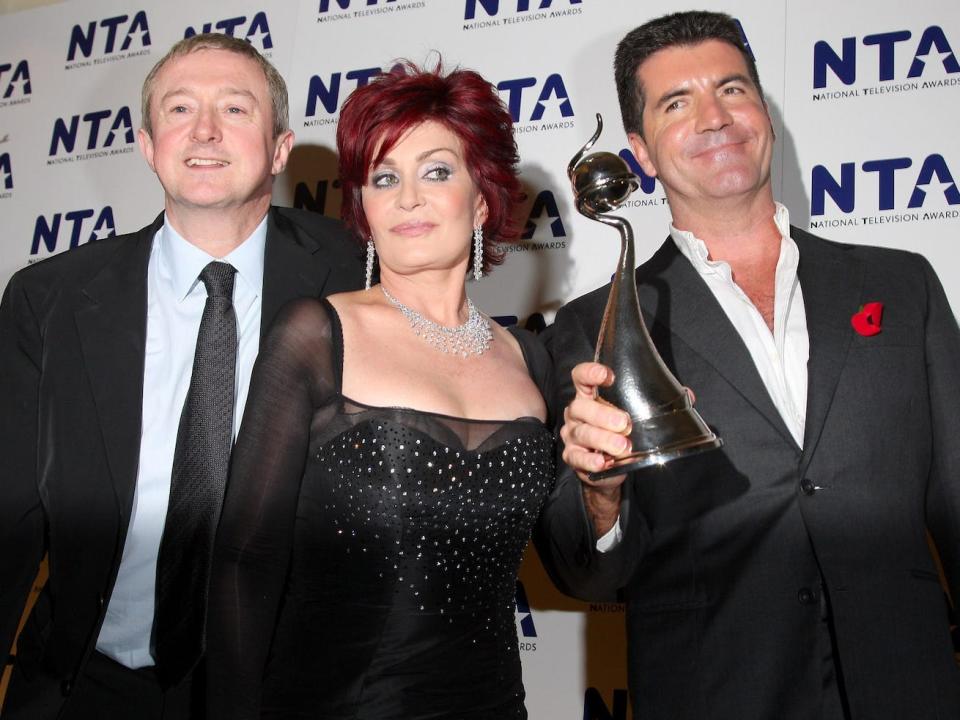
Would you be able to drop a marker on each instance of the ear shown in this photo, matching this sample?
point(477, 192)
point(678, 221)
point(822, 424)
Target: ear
point(480, 212)
point(146, 147)
point(281, 152)
point(640, 152)
point(766, 109)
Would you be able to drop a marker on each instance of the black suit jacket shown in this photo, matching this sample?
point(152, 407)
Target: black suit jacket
point(723, 553)
point(72, 337)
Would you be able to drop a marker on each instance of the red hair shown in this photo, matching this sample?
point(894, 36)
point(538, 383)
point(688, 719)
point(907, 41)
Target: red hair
point(399, 100)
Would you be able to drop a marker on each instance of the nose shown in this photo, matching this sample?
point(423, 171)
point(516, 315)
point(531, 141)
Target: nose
point(409, 196)
point(712, 114)
point(206, 126)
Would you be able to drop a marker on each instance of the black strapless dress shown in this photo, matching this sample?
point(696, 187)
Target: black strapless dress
point(367, 557)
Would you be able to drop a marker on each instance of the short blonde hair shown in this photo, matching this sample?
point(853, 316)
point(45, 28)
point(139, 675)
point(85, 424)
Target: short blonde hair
point(217, 41)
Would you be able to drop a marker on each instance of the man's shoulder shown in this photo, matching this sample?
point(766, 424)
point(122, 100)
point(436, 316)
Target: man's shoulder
point(588, 303)
point(807, 242)
point(77, 265)
point(594, 301)
point(316, 226)
point(318, 234)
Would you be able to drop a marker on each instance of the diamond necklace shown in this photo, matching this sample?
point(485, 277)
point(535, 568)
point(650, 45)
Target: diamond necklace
point(471, 338)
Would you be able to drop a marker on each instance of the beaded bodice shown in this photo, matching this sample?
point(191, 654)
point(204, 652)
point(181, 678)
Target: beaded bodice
point(397, 565)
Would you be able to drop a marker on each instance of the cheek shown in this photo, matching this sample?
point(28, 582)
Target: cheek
point(667, 147)
point(162, 155)
point(166, 149)
point(756, 120)
point(459, 202)
point(372, 208)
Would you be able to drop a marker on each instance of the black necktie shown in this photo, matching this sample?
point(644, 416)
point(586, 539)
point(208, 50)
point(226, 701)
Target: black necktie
point(200, 464)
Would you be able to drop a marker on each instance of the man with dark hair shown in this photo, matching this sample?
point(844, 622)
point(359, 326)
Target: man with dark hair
point(124, 367)
point(685, 28)
point(788, 574)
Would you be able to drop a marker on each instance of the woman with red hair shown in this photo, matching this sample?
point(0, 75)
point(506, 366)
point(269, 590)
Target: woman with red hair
point(394, 454)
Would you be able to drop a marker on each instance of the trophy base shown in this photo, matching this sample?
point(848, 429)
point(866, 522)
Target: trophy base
point(658, 456)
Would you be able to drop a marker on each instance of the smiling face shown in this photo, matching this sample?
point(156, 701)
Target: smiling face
point(707, 134)
point(212, 143)
point(421, 203)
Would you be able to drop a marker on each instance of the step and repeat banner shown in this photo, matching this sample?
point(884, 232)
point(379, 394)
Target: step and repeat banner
point(863, 97)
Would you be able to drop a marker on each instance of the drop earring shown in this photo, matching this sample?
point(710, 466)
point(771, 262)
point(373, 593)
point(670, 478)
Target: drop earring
point(477, 252)
point(371, 254)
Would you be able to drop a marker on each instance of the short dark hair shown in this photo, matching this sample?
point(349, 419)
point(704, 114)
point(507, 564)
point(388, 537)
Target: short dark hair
point(683, 28)
point(395, 102)
point(218, 41)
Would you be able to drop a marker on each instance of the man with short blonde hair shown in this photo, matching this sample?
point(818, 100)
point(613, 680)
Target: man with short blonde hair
point(124, 367)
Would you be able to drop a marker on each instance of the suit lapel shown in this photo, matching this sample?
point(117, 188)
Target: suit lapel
point(292, 268)
point(112, 328)
point(675, 297)
point(831, 281)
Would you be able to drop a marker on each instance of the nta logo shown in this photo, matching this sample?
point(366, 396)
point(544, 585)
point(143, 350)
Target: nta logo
point(17, 82)
point(594, 707)
point(316, 201)
point(88, 127)
point(256, 32)
point(492, 7)
point(48, 231)
point(647, 183)
point(525, 617)
point(6, 171)
point(551, 90)
point(109, 30)
point(933, 172)
point(328, 92)
point(345, 4)
point(932, 48)
point(544, 203)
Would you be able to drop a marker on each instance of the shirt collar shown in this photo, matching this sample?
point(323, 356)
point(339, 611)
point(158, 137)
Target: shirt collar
point(182, 261)
point(695, 249)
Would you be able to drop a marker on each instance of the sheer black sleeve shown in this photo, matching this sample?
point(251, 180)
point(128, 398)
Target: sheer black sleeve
point(539, 366)
point(296, 374)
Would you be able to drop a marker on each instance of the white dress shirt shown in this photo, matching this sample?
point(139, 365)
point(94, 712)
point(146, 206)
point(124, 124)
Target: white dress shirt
point(780, 357)
point(175, 301)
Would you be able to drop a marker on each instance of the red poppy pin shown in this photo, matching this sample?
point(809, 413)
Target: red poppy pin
point(867, 321)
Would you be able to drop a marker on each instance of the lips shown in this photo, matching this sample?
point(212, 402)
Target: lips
point(412, 229)
point(714, 144)
point(206, 162)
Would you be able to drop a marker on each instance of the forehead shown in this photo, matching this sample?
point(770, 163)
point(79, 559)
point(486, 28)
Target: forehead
point(423, 137)
point(211, 69)
point(679, 65)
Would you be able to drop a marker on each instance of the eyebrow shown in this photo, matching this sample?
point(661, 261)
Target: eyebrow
point(735, 77)
point(670, 95)
point(225, 92)
point(422, 156)
point(681, 91)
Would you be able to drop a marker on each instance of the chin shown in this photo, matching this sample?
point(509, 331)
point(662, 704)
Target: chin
point(207, 196)
point(733, 183)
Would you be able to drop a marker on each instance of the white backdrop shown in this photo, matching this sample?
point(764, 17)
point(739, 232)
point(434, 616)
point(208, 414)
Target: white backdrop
point(863, 97)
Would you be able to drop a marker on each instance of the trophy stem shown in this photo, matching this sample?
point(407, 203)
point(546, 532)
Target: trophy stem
point(665, 425)
point(631, 355)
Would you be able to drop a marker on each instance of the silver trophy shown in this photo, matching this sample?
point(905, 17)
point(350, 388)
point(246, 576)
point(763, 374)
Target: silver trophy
point(665, 424)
